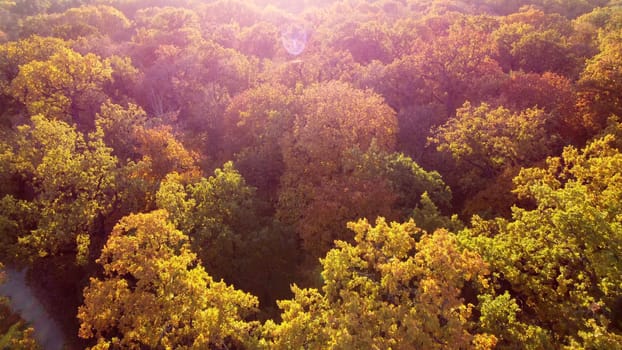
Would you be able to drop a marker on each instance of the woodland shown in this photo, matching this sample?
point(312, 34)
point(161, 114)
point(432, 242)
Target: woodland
point(273, 174)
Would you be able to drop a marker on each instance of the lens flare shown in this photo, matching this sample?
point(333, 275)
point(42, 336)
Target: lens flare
point(294, 39)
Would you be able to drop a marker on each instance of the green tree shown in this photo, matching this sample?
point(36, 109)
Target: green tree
point(429, 217)
point(535, 41)
point(406, 180)
point(120, 126)
point(502, 317)
point(217, 213)
point(230, 232)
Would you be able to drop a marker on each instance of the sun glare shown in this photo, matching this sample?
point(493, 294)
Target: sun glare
point(294, 38)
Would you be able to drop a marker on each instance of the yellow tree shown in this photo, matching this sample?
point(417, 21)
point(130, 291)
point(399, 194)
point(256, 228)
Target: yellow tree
point(562, 256)
point(66, 186)
point(153, 293)
point(396, 287)
point(159, 147)
point(14, 54)
point(160, 154)
point(534, 41)
point(68, 86)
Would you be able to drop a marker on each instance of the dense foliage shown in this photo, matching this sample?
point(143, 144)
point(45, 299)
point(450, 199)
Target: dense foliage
point(204, 174)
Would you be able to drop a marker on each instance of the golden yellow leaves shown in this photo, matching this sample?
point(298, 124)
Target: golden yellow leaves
point(154, 294)
point(391, 288)
point(63, 86)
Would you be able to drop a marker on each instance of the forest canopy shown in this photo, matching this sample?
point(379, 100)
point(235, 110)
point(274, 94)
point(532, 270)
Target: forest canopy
point(354, 174)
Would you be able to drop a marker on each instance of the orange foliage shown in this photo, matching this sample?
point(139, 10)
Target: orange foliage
point(164, 154)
